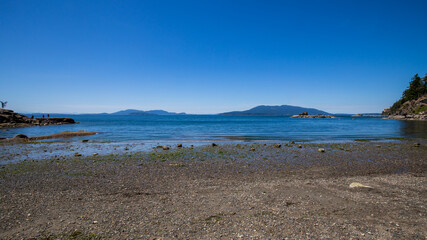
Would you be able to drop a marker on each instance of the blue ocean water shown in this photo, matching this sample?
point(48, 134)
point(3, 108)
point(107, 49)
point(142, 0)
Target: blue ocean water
point(213, 127)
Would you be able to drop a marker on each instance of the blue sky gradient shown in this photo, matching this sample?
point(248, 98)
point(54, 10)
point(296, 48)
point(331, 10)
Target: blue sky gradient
point(209, 56)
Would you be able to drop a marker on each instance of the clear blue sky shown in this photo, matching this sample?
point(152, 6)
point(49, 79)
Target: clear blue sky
point(209, 56)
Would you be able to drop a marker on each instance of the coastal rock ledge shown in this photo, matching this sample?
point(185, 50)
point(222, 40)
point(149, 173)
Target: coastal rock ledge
point(305, 115)
point(409, 110)
point(10, 119)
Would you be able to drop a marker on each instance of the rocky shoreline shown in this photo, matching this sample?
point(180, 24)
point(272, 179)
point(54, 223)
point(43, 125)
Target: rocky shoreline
point(10, 119)
point(410, 110)
point(232, 191)
point(408, 117)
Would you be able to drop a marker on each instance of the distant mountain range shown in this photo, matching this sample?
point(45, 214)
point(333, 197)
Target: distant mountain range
point(140, 112)
point(284, 110)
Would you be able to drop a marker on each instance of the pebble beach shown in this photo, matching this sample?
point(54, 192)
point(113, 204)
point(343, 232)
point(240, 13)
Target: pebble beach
point(221, 191)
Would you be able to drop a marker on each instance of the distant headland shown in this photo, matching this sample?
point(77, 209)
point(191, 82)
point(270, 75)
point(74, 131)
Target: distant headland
point(283, 110)
point(141, 112)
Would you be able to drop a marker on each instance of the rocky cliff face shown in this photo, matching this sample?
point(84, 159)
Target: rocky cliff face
point(10, 119)
point(410, 110)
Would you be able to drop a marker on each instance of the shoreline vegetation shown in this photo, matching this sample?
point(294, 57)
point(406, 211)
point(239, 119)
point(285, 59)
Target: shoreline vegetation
point(253, 190)
point(413, 103)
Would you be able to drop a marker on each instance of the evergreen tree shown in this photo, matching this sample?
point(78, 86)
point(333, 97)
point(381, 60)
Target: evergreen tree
point(415, 89)
point(425, 83)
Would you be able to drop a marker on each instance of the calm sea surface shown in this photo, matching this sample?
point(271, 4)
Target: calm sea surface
point(212, 127)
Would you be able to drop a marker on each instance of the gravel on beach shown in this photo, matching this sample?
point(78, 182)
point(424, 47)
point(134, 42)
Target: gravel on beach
point(228, 191)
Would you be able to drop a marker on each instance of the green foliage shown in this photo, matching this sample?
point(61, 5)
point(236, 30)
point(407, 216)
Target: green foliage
point(417, 88)
point(421, 109)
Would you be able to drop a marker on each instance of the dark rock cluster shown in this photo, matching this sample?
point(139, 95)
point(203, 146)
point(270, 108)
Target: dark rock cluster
point(10, 119)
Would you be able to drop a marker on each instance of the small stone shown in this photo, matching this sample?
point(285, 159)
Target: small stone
point(126, 148)
point(214, 145)
point(252, 149)
point(179, 145)
point(321, 150)
point(165, 147)
point(278, 145)
point(95, 222)
point(358, 185)
point(95, 154)
point(378, 146)
point(77, 154)
point(417, 144)
point(84, 140)
point(299, 146)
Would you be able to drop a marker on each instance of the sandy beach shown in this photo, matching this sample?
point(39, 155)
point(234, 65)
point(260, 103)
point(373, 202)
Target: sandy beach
point(230, 191)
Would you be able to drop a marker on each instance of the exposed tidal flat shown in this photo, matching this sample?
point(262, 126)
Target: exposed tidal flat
point(229, 190)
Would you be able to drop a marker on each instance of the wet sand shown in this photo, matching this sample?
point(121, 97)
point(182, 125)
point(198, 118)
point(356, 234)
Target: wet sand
point(231, 191)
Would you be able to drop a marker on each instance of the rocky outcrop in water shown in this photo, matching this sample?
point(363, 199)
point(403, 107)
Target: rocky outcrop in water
point(305, 115)
point(10, 119)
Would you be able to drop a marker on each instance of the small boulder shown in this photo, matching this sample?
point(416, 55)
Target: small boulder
point(179, 145)
point(358, 185)
point(21, 136)
point(278, 145)
point(321, 150)
point(95, 154)
point(84, 140)
point(252, 149)
point(299, 146)
point(417, 144)
point(77, 154)
point(165, 147)
point(214, 144)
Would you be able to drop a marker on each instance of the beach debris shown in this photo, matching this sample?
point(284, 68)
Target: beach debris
point(252, 149)
point(76, 154)
point(84, 140)
point(176, 164)
point(278, 145)
point(417, 144)
point(179, 145)
point(358, 185)
point(321, 150)
point(299, 146)
point(95, 154)
point(214, 144)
